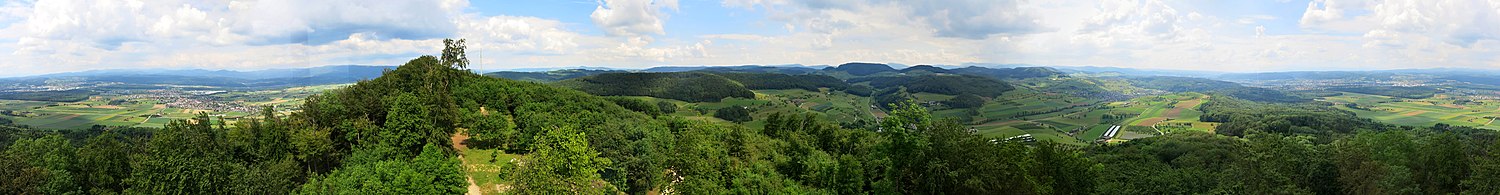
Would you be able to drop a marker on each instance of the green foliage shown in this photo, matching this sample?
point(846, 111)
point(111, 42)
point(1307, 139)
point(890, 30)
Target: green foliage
point(861, 69)
point(406, 125)
point(185, 158)
point(562, 163)
point(73, 95)
point(666, 107)
point(637, 105)
point(685, 86)
point(103, 163)
point(434, 171)
point(736, 114)
point(43, 165)
point(926, 156)
point(860, 90)
point(491, 129)
point(965, 101)
point(1393, 91)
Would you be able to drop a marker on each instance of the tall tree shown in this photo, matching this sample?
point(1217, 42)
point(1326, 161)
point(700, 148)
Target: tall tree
point(185, 158)
point(562, 163)
point(103, 162)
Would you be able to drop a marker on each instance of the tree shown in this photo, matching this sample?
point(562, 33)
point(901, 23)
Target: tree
point(1486, 172)
point(453, 54)
point(736, 114)
point(431, 172)
point(184, 158)
point(666, 107)
point(103, 162)
point(562, 163)
point(965, 101)
point(493, 129)
point(50, 162)
point(409, 125)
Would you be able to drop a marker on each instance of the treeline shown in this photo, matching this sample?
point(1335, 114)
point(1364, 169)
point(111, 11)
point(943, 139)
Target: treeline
point(941, 84)
point(786, 81)
point(1393, 91)
point(685, 86)
point(73, 95)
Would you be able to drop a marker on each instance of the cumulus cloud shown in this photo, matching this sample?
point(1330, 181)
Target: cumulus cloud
point(969, 19)
point(108, 23)
point(632, 17)
point(1458, 22)
point(519, 34)
point(1134, 21)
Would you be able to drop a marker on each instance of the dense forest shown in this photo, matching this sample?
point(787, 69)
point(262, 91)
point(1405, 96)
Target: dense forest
point(861, 69)
point(394, 135)
point(55, 96)
point(1393, 91)
point(685, 86)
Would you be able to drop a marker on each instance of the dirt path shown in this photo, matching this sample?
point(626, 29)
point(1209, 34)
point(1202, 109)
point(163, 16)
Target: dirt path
point(458, 144)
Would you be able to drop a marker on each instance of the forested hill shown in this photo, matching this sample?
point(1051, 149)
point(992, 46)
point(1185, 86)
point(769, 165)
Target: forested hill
point(941, 84)
point(685, 86)
point(785, 81)
point(861, 69)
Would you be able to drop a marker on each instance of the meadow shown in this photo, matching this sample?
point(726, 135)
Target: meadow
point(1079, 121)
point(1420, 112)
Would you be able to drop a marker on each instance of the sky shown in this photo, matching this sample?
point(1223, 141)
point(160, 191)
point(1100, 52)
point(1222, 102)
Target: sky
point(50, 36)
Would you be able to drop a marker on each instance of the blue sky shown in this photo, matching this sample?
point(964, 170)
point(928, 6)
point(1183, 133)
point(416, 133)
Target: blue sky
point(38, 37)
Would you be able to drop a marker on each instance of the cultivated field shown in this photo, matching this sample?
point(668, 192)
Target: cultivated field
point(126, 110)
point(1420, 112)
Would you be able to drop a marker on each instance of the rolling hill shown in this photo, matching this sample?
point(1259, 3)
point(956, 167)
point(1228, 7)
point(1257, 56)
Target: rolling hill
point(685, 86)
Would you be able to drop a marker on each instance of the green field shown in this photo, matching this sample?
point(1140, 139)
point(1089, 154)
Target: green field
point(486, 166)
point(1021, 112)
point(1420, 112)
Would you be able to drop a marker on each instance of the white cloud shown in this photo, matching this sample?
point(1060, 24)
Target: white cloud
point(1134, 22)
point(632, 17)
point(1458, 22)
point(518, 34)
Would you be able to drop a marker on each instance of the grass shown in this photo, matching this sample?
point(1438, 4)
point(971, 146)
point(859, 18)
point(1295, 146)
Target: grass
point(486, 166)
point(1086, 123)
point(1419, 112)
